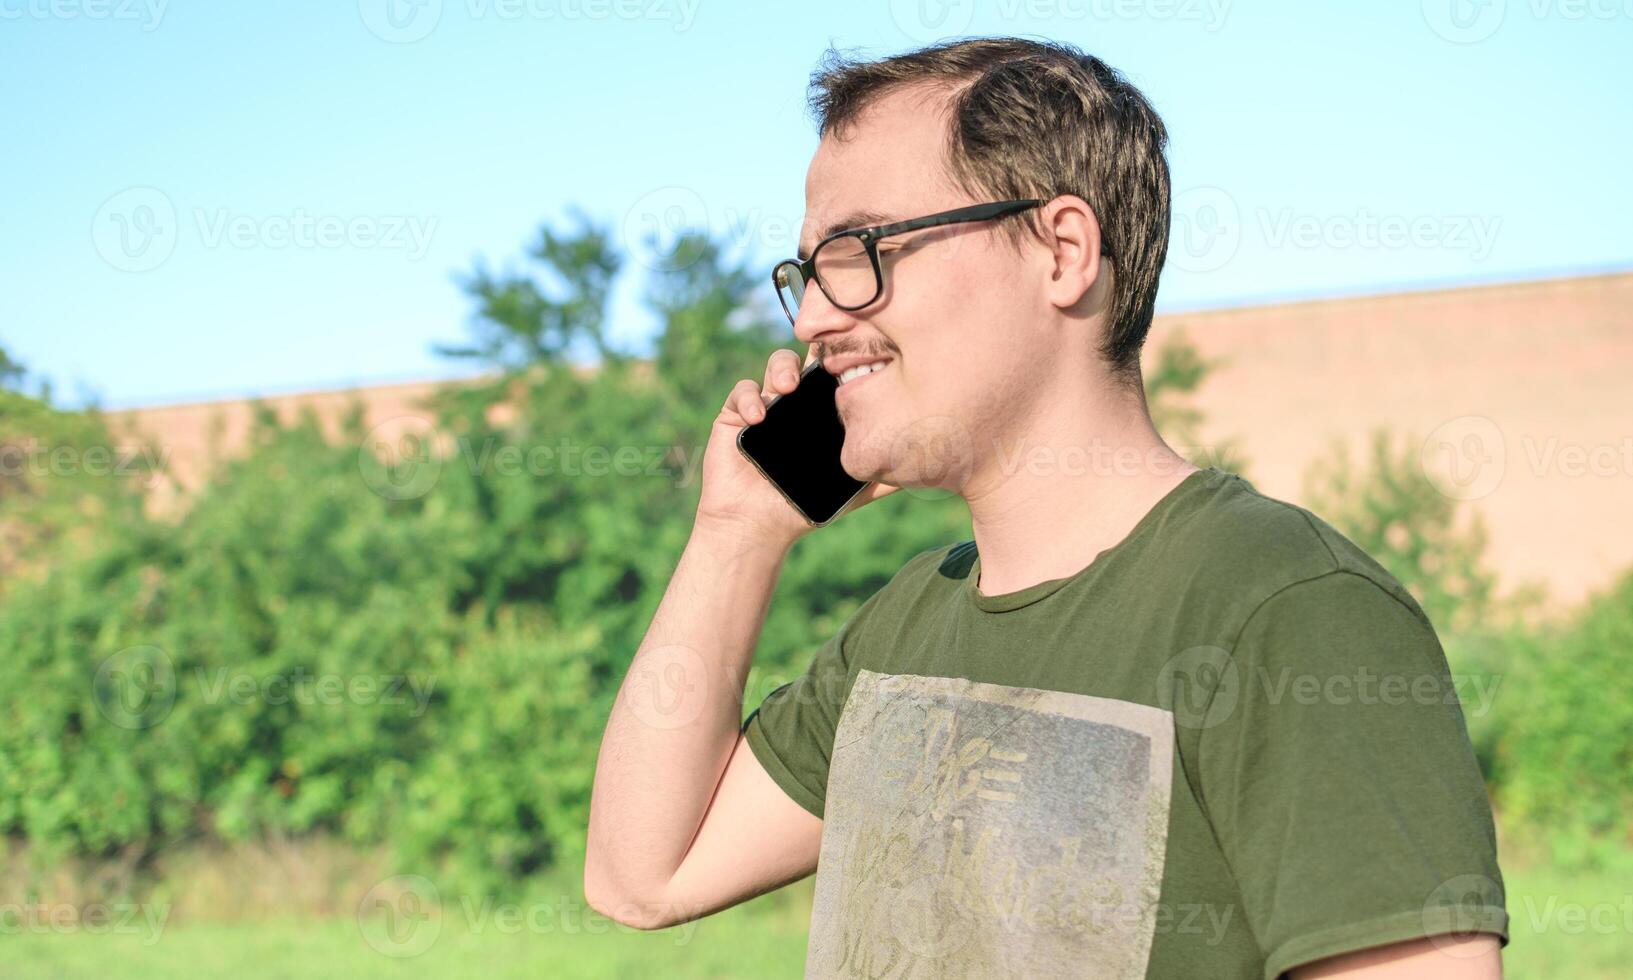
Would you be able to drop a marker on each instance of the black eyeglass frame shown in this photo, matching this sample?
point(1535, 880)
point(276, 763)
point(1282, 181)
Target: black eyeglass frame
point(870, 242)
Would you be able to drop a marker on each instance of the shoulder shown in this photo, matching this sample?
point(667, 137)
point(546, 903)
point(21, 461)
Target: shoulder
point(1256, 548)
point(937, 565)
point(1219, 556)
point(920, 580)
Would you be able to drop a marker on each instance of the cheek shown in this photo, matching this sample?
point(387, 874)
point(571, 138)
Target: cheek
point(937, 279)
point(953, 313)
point(961, 348)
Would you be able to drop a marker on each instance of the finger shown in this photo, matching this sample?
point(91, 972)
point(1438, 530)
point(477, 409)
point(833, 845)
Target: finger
point(751, 401)
point(782, 372)
point(744, 405)
point(813, 350)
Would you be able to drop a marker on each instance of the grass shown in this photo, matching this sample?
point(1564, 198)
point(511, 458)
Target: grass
point(1563, 924)
point(548, 934)
point(1575, 925)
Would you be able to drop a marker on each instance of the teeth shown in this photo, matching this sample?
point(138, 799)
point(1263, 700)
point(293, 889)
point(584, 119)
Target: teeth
point(861, 369)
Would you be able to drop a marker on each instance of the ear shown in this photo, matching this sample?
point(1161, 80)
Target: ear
point(1071, 232)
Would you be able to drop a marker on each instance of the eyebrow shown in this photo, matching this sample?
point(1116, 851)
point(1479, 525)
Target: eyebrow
point(856, 219)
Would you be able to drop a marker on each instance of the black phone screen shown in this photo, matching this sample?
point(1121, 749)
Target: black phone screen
point(797, 447)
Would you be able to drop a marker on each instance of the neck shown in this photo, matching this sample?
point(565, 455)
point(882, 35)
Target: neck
point(1079, 473)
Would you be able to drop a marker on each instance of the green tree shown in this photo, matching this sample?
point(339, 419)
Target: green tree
point(524, 319)
point(1172, 380)
point(64, 480)
point(11, 372)
point(716, 326)
point(1389, 506)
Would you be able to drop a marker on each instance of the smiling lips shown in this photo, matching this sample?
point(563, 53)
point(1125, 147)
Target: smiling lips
point(860, 370)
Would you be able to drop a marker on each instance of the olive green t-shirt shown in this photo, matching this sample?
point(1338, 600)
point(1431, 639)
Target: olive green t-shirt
point(1228, 746)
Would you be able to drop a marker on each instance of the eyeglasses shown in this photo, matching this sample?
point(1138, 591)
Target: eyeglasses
point(845, 265)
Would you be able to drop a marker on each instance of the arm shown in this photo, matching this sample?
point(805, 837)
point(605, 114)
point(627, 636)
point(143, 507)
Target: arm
point(683, 819)
point(1476, 957)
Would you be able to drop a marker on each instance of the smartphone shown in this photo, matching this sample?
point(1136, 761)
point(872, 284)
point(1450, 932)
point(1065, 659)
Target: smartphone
point(797, 446)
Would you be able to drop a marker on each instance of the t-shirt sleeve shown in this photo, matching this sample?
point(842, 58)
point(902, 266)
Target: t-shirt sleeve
point(792, 730)
point(1338, 775)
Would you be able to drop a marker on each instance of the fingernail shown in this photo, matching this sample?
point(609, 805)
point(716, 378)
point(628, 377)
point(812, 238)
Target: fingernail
point(788, 378)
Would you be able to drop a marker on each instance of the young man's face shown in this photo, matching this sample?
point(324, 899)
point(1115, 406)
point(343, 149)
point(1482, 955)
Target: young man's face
point(961, 322)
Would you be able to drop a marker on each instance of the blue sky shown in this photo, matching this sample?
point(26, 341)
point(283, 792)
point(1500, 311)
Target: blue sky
point(215, 199)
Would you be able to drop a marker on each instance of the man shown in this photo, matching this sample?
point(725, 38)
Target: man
point(1149, 722)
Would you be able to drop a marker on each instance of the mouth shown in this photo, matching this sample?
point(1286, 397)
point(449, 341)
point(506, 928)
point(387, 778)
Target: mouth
point(858, 373)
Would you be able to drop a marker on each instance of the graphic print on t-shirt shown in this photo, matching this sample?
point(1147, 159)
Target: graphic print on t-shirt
point(981, 830)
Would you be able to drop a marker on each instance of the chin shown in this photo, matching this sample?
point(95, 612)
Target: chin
point(860, 465)
point(862, 458)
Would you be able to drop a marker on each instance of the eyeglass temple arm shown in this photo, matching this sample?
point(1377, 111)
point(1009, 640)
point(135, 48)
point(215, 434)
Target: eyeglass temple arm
point(978, 212)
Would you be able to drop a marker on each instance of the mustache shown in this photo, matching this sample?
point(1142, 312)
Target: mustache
point(826, 350)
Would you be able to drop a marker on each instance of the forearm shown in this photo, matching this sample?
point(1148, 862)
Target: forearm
point(677, 715)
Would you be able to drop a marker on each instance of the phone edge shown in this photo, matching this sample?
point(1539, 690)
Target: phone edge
point(809, 368)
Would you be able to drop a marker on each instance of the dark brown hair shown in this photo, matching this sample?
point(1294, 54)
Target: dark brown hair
point(1038, 119)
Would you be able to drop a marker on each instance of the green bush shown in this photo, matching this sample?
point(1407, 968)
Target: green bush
point(1564, 740)
point(63, 479)
point(288, 569)
point(163, 687)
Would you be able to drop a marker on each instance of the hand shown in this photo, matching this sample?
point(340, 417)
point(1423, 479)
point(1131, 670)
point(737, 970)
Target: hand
point(736, 498)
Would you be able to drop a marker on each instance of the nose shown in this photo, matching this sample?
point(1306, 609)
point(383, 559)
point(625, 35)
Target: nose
point(818, 320)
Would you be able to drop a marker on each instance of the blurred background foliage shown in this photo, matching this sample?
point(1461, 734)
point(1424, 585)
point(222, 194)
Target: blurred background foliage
point(510, 603)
